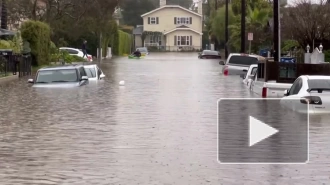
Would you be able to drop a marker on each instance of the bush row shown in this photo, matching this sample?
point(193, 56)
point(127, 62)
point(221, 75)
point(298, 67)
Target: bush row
point(36, 40)
point(37, 34)
point(125, 43)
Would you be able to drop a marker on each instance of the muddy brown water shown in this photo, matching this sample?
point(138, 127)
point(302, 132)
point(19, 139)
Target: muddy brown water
point(160, 128)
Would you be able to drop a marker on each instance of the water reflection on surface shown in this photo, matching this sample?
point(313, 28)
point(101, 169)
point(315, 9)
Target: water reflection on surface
point(160, 128)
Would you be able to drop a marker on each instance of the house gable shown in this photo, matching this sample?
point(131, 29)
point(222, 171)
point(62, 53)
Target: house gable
point(171, 6)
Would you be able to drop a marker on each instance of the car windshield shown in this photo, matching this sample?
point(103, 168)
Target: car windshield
point(57, 75)
point(210, 53)
point(243, 60)
point(91, 73)
point(319, 83)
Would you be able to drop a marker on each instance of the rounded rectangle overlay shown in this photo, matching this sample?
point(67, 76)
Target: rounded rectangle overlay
point(262, 131)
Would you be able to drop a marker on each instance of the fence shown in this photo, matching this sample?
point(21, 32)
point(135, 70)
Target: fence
point(289, 72)
point(14, 63)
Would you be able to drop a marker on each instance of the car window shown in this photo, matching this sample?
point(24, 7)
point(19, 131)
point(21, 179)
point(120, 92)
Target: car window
point(71, 51)
point(142, 49)
point(48, 76)
point(254, 71)
point(318, 83)
point(91, 73)
point(82, 72)
point(99, 72)
point(243, 60)
point(210, 53)
point(296, 86)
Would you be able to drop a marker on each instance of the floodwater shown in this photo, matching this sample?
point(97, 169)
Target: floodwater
point(160, 128)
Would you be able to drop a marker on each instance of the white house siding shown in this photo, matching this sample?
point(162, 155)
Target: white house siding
point(196, 40)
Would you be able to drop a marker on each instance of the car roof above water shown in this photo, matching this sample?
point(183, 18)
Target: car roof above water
point(60, 67)
point(90, 66)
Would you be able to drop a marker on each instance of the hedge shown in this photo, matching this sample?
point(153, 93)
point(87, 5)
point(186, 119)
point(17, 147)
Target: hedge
point(125, 43)
point(38, 35)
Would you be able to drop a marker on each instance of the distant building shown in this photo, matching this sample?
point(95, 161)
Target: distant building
point(176, 28)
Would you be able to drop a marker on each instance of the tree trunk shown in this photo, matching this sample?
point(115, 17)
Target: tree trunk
point(4, 15)
point(100, 49)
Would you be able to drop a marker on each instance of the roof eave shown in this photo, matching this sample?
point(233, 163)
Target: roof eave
point(170, 6)
point(183, 29)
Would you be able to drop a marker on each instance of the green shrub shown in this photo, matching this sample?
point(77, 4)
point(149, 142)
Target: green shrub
point(125, 41)
point(38, 35)
point(15, 43)
point(326, 55)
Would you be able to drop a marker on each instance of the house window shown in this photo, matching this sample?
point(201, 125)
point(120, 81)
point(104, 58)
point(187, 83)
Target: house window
point(152, 20)
point(183, 40)
point(155, 39)
point(182, 20)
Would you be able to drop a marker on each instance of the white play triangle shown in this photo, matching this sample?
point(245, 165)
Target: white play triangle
point(259, 131)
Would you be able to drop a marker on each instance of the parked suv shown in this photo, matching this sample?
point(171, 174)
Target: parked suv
point(60, 76)
point(238, 64)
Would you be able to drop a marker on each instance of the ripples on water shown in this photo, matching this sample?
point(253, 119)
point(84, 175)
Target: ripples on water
point(160, 128)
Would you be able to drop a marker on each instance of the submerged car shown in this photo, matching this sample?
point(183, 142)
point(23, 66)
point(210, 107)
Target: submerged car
point(143, 50)
point(209, 54)
point(60, 76)
point(94, 72)
point(308, 91)
point(238, 64)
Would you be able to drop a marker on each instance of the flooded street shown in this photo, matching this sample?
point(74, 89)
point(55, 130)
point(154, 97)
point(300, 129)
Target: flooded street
point(160, 128)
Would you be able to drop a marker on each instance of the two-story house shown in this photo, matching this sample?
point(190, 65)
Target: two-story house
point(171, 28)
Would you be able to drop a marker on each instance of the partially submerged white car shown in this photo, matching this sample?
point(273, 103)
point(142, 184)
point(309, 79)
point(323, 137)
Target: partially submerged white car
point(94, 72)
point(77, 52)
point(250, 74)
point(311, 91)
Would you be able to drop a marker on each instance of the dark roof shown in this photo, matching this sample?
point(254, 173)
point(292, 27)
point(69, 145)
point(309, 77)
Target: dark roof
point(138, 30)
point(6, 32)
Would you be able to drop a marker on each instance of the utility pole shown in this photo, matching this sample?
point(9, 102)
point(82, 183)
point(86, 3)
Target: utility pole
point(276, 35)
point(243, 10)
point(226, 31)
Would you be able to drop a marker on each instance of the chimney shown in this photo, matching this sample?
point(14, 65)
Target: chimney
point(162, 3)
point(200, 7)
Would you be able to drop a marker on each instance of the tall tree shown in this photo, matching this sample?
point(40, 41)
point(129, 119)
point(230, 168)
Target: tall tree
point(307, 22)
point(132, 16)
point(4, 14)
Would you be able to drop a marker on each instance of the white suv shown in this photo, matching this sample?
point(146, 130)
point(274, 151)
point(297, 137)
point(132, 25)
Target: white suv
point(77, 52)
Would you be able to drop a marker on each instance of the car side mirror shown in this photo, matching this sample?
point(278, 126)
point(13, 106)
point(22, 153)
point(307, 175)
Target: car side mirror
point(245, 70)
point(84, 78)
point(222, 62)
point(102, 76)
point(30, 80)
point(286, 92)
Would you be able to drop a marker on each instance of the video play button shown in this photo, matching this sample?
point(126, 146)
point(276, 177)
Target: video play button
point(259, 131)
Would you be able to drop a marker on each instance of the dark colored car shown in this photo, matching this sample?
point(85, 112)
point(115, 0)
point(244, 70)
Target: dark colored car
point(208, 54)
point(60, 76)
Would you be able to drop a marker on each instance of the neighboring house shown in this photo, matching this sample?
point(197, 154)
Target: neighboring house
point(171, 28)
